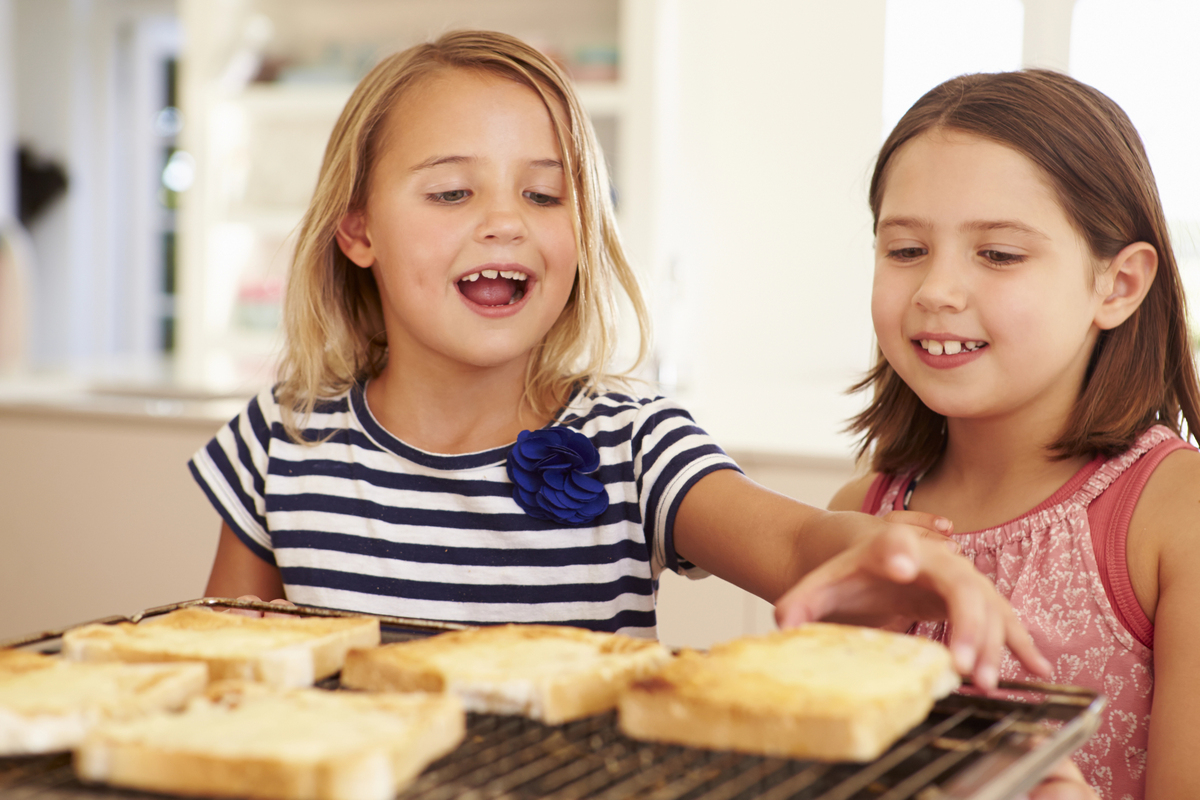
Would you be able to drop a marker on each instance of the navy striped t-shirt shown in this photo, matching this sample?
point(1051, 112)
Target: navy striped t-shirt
point(364, 522)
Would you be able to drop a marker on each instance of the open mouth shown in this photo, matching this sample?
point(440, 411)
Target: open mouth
point(949, 347)
point(492, 287)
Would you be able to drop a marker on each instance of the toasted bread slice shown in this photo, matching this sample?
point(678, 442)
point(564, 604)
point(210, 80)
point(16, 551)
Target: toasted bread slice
point(550, 673)
point(13, 662)
point(47, 704)
point(292, 744)
point(821, 691)
point(290, 651)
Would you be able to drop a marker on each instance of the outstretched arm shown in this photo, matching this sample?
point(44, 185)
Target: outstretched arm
point(816, 564)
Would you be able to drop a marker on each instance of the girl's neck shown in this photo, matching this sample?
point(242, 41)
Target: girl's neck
point(462, 410)
point(991, 473)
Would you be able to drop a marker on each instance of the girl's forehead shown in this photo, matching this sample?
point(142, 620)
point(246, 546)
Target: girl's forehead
point(968, 172)
point(466, 93)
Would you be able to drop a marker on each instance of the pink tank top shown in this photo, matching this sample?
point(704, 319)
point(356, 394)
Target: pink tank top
point(1062, 566)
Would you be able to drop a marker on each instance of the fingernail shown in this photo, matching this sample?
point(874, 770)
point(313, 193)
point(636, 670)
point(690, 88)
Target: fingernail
point(987, 676)
point(942, 524)
point(953, 547)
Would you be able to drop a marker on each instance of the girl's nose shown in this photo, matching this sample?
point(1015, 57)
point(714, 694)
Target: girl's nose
point(502, 222)
point(942, 286)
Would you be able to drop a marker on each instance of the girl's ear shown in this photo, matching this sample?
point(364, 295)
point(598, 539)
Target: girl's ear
point(354, 240)
point(1126, 281)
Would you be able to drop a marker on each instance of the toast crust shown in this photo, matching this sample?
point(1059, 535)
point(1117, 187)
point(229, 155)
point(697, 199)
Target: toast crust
point(283, 652)
point(296, 744)
point(551, 673)
point(51, 707)
point(822, 691)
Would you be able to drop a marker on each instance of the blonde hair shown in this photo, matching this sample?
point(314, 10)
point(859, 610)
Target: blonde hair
point(332, 309)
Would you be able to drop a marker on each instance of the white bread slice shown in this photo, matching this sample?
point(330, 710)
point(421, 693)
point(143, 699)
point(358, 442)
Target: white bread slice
point(293, 744)
point(13, 662)
point(286, 651)
point(551, 673)
point(821, 691)
point(47, 704)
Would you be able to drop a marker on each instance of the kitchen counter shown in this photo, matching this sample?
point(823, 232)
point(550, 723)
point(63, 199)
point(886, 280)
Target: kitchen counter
point(99, 514)
point(153, 404)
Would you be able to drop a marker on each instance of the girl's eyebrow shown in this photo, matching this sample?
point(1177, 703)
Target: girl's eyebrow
point(922, 223)
point(437, 161)
point(1004, 225)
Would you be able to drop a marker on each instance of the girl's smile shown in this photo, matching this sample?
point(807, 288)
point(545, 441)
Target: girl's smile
point(495, 290)
point(947, 352)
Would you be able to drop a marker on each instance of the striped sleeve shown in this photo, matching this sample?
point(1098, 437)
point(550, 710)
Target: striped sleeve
point(670, 454)
point(232, 470)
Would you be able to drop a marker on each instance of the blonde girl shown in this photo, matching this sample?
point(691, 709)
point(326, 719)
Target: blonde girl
point(1033, 376)
point(446, 441)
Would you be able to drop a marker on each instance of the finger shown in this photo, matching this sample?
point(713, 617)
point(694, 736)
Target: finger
point(987, 662)
point(921, 519)
point(966, 594)
point(280, 602)
point(810, 599)
point(1023, 646)
point(841, 583)
point(1064, 782)
point(895, 555)
point(246, 612)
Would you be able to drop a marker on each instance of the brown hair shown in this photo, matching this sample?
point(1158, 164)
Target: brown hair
point(1093, 158)
point(332, 310)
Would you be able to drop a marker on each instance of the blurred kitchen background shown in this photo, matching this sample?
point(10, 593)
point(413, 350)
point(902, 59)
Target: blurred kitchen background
point(157, 155)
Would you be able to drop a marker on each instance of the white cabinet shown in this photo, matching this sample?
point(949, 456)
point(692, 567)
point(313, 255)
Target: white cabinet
point(263, 82)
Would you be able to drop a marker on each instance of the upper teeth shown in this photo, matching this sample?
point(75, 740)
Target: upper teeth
point(936, 347)
point(495, 273)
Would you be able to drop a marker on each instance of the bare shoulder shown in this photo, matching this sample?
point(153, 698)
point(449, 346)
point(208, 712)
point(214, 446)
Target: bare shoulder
point(1170, 503)
point(1163, 542)
point(851, 496)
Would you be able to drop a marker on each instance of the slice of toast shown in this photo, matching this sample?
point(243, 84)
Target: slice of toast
point(821, 691)
point(48, 704)
point(292, 744)
point(13, 662)
point(551, 673)
point(285, 651)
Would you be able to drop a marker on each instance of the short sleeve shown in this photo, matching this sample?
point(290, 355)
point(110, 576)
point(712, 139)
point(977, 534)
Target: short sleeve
point(670, 454)
point(232, 470)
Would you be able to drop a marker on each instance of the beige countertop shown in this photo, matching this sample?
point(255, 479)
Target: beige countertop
point(54, 396)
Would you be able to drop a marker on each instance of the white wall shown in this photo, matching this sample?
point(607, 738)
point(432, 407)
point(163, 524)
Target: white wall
point(779, 119)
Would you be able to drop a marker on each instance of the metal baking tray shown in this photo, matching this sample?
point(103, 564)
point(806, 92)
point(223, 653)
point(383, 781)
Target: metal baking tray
point(972, 746)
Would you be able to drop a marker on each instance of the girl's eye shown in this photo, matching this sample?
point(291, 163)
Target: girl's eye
point(906, 253)
point(452, 196)
point(542, 199)
point(1001, 257)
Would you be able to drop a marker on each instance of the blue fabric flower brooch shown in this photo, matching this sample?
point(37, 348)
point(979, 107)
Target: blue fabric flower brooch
point(549, 470)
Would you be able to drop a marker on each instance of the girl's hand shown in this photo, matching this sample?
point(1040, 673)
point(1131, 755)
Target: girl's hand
point(1064, 782)
point(904, 573)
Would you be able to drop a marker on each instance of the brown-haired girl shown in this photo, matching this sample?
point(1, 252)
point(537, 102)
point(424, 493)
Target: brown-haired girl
point(1034, 372)
point(445, 441)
